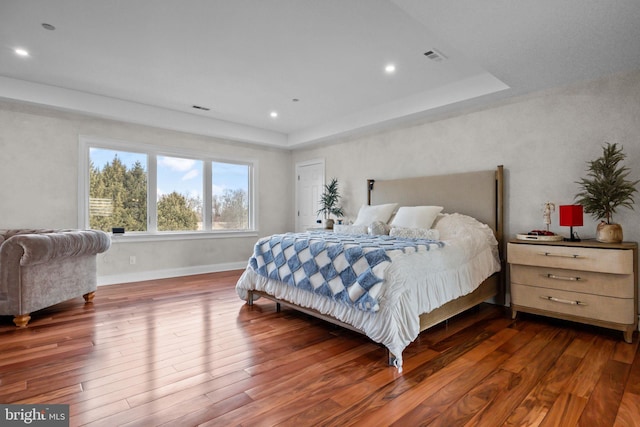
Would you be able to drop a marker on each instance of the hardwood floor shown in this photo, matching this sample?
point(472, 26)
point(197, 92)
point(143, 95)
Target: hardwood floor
point(188, 351)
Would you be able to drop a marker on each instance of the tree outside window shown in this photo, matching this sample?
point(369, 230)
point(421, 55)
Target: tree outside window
point(230, 196)
point(117, 192)
point(179, 194)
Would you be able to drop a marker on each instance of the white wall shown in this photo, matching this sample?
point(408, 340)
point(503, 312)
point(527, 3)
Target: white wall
point(39, 188)
point(544, 141)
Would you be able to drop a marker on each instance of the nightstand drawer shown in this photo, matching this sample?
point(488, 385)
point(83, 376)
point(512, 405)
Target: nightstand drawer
point(618, 261)
point(574, 303)
point(613, 285)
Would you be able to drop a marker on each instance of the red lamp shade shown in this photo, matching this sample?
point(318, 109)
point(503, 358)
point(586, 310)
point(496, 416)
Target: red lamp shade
point(571, 215)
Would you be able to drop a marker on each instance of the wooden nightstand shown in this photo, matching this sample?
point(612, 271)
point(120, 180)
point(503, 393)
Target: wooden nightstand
point(589, 282)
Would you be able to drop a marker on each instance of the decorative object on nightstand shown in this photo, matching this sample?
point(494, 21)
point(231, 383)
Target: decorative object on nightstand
point(329, 203)
point(588, 282)
point(542, 235)
point(548, 207)
point(606, 188)
point(571, 216)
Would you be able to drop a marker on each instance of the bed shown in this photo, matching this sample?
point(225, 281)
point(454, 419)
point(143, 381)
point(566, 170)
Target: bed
point(399, 300)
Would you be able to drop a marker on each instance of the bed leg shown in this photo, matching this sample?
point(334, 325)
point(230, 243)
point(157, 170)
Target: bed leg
point(249, 298)
point(277, 307)
point(391, 359)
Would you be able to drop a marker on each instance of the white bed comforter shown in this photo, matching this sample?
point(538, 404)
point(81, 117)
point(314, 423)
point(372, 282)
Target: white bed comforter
point(415, 283)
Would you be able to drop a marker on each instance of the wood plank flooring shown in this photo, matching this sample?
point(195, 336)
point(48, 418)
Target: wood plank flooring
point(187, 351)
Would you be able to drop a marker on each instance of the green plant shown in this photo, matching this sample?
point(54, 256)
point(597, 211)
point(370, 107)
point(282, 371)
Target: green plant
point(329, 200)
point(606, 186)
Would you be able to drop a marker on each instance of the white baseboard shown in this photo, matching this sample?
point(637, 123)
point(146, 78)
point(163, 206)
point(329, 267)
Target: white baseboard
point(113, 279)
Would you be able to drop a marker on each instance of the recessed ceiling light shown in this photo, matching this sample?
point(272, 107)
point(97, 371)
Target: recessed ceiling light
point(48, 26)
point(273, 114)
point(390, 69)
point(21, 52)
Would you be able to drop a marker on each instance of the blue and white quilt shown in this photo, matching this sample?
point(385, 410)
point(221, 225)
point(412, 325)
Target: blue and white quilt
point(347, 268)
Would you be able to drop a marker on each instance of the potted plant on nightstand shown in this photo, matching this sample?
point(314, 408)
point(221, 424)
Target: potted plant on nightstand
point(329, 203)
point(605, 189)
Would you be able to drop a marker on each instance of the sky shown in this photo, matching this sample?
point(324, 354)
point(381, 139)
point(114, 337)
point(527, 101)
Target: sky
point(179, 174)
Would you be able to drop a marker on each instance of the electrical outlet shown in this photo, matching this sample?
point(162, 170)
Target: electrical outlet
point(132, 259)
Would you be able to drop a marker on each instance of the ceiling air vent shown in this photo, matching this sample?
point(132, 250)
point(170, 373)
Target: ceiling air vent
point(434, 55)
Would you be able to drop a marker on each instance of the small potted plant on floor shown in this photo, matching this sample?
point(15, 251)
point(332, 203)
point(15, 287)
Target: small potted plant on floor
point(605, 189)
point(329, 201)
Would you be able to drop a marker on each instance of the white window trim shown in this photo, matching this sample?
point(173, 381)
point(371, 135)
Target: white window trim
point(86, 142)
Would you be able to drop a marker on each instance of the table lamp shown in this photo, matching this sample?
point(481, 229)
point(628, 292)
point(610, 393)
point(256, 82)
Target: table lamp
point(571, 216)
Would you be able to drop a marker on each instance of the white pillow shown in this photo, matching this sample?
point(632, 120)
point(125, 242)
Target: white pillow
point(350, 229)
point(378, 228)
point(368, 214)
point(416, 216)
point(455, 225)
point(415, 233)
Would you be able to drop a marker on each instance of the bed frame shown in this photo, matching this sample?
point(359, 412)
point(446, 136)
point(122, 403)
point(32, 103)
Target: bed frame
point(477, 194)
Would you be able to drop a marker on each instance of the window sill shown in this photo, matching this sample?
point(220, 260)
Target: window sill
point(178, 235)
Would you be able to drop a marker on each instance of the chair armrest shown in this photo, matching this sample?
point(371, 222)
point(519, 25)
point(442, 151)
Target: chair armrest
point(38, 248)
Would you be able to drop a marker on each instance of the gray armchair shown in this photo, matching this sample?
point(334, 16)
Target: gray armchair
point(40, 268)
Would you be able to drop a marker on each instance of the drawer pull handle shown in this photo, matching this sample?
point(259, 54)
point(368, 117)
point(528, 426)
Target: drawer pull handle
point(571, 278)
point(574, 256)
point(563, 301)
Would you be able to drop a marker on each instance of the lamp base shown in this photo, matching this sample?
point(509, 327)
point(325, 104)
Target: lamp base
point(573, 237)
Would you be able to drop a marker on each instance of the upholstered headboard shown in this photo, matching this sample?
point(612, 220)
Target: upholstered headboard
point(477, 194)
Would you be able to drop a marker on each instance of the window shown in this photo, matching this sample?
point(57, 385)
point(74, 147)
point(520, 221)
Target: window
point(179, 194)
point(148, 191)
point(230, 188)
point(117, 190)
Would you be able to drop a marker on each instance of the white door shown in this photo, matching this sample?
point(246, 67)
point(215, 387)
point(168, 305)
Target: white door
point(309, 185)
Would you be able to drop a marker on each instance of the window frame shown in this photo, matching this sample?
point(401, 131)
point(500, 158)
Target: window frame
point(152, 152)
